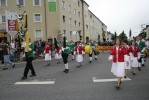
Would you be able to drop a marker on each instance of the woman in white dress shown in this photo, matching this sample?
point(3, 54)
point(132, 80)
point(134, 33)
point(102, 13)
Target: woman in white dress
point(135, 56)
point(118, 64)
point(79, 54)
point(47, 52)
point(127, 58)
point(58, 55)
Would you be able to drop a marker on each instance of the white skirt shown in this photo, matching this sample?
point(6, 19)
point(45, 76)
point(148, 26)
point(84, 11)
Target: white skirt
point(47, 57)
point(79, 58)
point(135, 62)
point(128, 66)
point(58, 56)
point(118, 69)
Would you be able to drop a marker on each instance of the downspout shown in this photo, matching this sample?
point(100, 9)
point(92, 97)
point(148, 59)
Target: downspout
point(45, 18)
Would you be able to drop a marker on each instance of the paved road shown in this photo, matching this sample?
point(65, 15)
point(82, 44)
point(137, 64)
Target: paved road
point(76, 85)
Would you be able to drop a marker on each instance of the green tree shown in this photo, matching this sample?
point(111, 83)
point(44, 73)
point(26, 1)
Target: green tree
point(123, 36)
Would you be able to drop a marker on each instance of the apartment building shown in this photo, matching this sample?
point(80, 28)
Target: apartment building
point(49, 19)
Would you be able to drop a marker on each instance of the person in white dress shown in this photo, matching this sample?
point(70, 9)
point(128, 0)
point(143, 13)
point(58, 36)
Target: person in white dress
point(117, 54)
point(58, 55)
point(135, 56)
point(127, 58)
point(79, 54)
point(47, 52)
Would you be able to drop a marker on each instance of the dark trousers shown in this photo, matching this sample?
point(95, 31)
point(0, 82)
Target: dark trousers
point(65, 58)
point(90, 55)
point(29, 66)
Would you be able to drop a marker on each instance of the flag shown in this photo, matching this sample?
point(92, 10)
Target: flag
point(25, 21)
point(27, 42)
point(17, 25)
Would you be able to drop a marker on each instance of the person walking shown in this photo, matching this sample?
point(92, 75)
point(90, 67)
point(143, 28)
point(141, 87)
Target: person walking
point(118, 64)
point(65, 54)
point(79, 54)
point(6, 53)
point(135, 56)
point(47, 52)
point(29, 58)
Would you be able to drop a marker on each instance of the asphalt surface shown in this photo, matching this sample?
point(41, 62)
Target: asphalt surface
point(76, 85)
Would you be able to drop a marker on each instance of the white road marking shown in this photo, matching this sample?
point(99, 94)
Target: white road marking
point(109, 80)
point(35, 82)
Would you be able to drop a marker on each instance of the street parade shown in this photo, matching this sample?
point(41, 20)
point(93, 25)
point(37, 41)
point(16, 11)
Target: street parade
point(74, 50)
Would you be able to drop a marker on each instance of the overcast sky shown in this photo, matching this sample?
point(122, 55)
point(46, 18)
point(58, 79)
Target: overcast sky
point(121, 15)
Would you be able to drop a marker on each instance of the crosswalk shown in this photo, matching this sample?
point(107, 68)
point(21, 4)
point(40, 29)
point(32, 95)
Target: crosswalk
point(109, 80)
point(52, 82)
point(36, 82)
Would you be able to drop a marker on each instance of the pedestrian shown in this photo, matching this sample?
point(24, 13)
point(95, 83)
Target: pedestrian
point(65, 54)
point(79, 54)
point(127, 58)
point(58, 51)
point(91, 51)
point(72, 47)
point(47, 52)
point(141, 44)
point(6, 56)
point(117, 57)
point(135, 56)
point(29, 54)
point(58, 55)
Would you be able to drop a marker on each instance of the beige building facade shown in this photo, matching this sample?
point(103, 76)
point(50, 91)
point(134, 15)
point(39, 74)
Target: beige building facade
point(70, 18)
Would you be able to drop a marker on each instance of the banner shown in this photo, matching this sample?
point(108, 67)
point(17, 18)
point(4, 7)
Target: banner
point(52, 5)
point(11, 22)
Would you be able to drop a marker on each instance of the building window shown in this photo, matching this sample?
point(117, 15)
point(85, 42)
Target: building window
point(21, 2)
point(3, 3)
point(79, 14)
point(63, 3)
point(64, 19)
point(64, 32)
point(3, 17)
point(69, 8)
point(75, 22)
point(37, 2)
point(75, 11)
point(79, 3)
point(37, 17)
point(38, 33)
point(87, 26)
point(90, 16)
point(70, 33)
point(70, 21)
point(79, 24)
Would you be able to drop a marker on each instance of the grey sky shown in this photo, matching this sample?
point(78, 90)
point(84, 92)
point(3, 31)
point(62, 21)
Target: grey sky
point(121, 15)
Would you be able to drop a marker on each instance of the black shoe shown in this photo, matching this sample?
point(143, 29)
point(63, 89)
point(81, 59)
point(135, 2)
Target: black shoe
point(133, 73)
point(14, 66)
point(24, 78)
point(95, 58)
point(4, 68)
point(90, 61)
point(143, 65)
point(48, 64)
point(67, 70)
point(139, 69)
point(125, 76)
point(64, 71)
point(32, 75)
point(117, 87)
